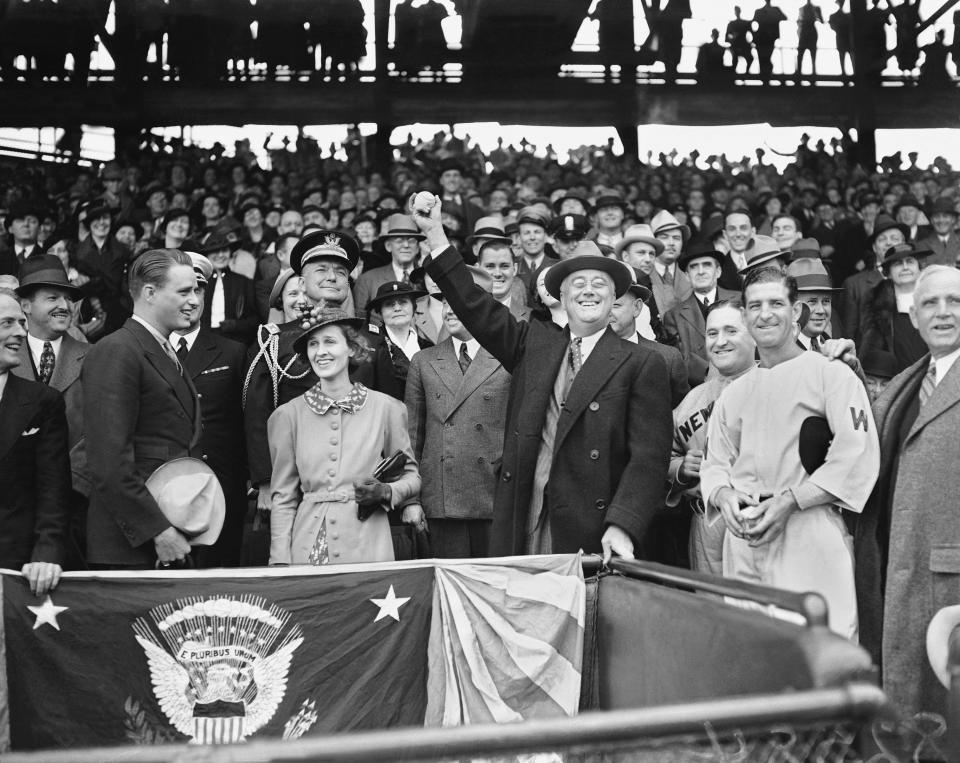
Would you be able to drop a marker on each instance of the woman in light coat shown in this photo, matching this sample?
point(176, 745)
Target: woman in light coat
point(324, 446)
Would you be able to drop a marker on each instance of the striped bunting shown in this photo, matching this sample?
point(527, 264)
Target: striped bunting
point(506, 642)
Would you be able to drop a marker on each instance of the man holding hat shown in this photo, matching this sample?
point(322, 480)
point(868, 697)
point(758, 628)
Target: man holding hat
point(51, 356)
point(585, 463)
point(143, 413)
point(943, 240)
point(686, 323)
point(858, 288)
point(816, 292)
point(670, 283)
point(456, 401)
point(402, 241)
point(324, 260)
point(215, 365)
point(34, 467)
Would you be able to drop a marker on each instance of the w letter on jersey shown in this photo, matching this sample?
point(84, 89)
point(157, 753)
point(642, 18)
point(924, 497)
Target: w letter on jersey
point(859, 418)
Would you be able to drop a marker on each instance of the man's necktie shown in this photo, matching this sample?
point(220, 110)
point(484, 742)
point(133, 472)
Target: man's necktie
point(218, 303)
point(406, 275)
point(668, 275)
point(464, 359)
point(172, 355)
point(47, 362)
point(576, 356)
point(704, 306)
point(182, 350)
point(929, 383)
point(814, 344)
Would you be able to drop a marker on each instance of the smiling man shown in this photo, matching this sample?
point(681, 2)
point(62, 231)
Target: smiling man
point(908, 539)
point(496, 258)
point(584, 465)
point(144, 412)
point(790, 444)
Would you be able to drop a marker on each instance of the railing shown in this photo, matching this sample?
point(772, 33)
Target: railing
point(801, 725)
point(811, 606)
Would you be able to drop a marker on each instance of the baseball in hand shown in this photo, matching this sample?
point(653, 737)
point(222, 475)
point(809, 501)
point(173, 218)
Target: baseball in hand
point(423, 202)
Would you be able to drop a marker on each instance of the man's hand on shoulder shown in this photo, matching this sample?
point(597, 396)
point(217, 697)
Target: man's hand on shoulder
point(841, 349)
point(171, 546)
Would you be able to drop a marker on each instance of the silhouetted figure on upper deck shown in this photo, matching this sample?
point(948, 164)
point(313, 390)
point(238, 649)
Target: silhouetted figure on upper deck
point(419, 41)
point(740, 39)
point(711, 69)
point(807, 34)
point(840, 24)
point(907, 16)
point(615, 31)
point(767, 21)
point(933, 70)
point(671, 35)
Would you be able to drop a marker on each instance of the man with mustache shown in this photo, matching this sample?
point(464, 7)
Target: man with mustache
point(51, 356)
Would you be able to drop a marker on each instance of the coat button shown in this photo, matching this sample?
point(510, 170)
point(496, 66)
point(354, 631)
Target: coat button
point(332, 472)
point(199, 395)
point(334, 441)
point(507, 476)
point(334, 425)
point(334, 536)
point(594, 406)
point(594, 455)
point(486, 396)
point(438, 396)
point(336, 553)
point(479, 459)
point(601, 504)
point(479, 427)
point(204, 456)
point(333, 456)
point(333, 521)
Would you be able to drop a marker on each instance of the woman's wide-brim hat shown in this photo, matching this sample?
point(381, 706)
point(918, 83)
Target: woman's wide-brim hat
point(614, 268)
point(191, 498)
point(394, 290)
point(329, 317)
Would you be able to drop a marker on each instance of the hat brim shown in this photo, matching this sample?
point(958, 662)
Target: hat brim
point(413, 295)
point(403, 234)
point(623, 243)
point(684, 230)
point(559, 203)
point(640, 291)
point(279, 285)
point(764, 259)
point(614, 268)
point(25, 289)
point(899, 226)
point(484, 237)
point(920, 254)
point(684, 260)
point(180, 467)
point(300, 343)
point(311, 248)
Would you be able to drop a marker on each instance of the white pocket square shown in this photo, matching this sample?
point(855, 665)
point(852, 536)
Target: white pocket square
point(30, 432)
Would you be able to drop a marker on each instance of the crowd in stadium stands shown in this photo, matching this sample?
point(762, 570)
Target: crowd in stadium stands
point(464, 355)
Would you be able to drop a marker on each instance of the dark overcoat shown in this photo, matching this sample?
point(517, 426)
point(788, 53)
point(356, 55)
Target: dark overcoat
point(612, 444)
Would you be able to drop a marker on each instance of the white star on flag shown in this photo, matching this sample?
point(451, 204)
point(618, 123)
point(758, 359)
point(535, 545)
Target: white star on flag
point(47, 613)
point(390, 606)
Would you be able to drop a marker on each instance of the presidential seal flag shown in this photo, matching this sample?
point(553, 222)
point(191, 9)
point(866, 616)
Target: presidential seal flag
point(203, 657)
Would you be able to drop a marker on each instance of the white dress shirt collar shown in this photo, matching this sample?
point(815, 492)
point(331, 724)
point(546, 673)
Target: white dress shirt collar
point(36, 348)
point(588, 343)
point(409, 345)
point(161, 339)
point(945, 363)
point(473, 347)
point(191, 338)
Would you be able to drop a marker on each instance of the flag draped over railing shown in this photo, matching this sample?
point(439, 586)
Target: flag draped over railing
point(208, 657)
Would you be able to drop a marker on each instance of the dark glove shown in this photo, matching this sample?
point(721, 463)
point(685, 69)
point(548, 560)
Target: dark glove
point(370, 495)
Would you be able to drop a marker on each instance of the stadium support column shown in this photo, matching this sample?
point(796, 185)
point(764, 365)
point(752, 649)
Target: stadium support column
point(383, 153)
point(628, 136)
point(867, 70)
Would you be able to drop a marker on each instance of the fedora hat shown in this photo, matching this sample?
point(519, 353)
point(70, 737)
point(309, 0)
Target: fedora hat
point(488, 229)
point(45, 270)
point(610, 199)
point(327, 244)
point(327, 317)
point(402, 225)
point(810, 275)
point(943, 206)
point(908, 200)
point(901, 252)
point(663, 222)
point(879, 363)
point(216, 242)
point(805, 247)
point(572, 196)
point(570, 227)
point(641, 233)
point(285, 275)
point(764, 249)
point(480, 277)
point(587, 257)
point(697, 250)
point(394, 290)
point(191, 498)
point(884, 223)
